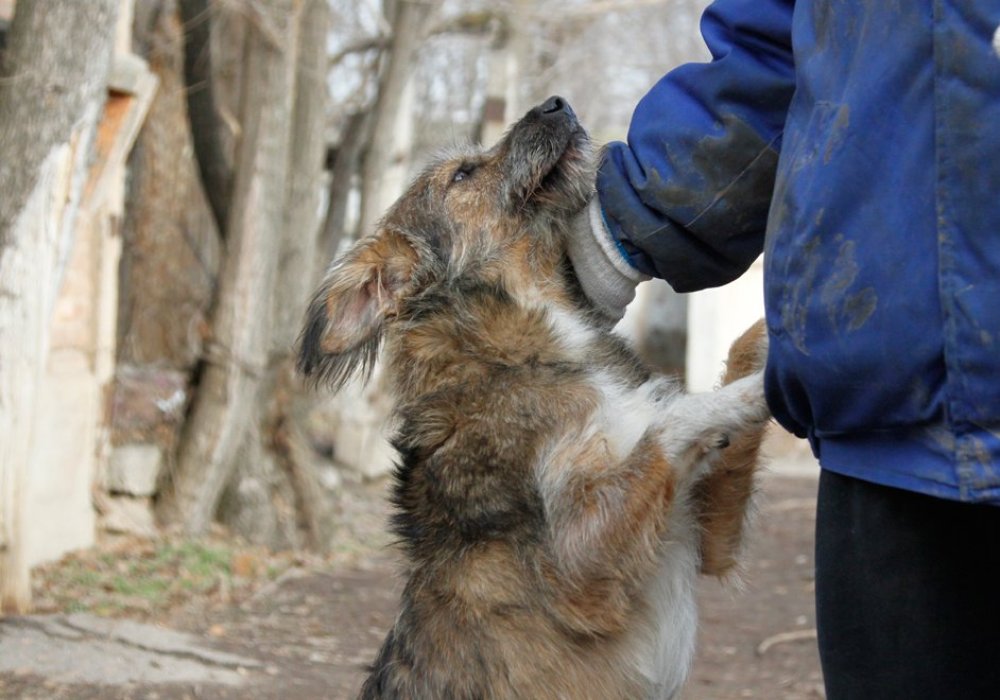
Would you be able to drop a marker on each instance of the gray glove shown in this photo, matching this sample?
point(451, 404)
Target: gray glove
point(607, 278)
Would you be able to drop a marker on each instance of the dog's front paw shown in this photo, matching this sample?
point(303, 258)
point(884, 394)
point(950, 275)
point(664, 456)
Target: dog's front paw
point(749, 399)
point(757, 410)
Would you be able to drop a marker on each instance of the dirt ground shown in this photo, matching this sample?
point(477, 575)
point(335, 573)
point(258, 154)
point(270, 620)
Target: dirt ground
point(314, 625)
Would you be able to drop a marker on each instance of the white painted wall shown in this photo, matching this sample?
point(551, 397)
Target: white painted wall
point(716, 317)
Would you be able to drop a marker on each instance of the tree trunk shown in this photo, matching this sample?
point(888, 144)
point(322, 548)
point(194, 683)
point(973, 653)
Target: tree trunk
point(518, 59)
point(353, 138)
point(495, 115)
point(409, 20)
point(275, 496)
point(238, 358)
point(170, 261)
point(171, 249)
point(302, 240)
point(300, 233)
point(363, 409)
point(55, 68)
point(241, 455)
point(206, 126)
point(52, 87)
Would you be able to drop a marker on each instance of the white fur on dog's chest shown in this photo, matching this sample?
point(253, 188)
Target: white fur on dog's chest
point(572, 334)
point(665, 651)
point(625, 413)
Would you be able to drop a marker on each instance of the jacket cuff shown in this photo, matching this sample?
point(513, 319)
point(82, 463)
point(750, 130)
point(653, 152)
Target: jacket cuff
point(606, 276)
point(612, 249)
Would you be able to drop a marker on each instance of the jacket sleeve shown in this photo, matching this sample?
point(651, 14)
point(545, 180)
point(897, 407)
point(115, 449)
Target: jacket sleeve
point(687, 197)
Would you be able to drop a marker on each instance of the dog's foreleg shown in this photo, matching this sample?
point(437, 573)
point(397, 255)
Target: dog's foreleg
point(696, 426)
point(714, 439)
point(606, 519)
point(722, 499)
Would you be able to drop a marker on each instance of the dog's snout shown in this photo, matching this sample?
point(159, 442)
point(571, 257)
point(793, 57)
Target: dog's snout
point(555, 105)
point(548, 152)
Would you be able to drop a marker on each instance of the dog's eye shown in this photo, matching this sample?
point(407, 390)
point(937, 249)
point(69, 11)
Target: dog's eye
point(464, 172)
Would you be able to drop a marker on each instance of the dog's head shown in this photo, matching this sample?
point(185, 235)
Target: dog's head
point(492, 217)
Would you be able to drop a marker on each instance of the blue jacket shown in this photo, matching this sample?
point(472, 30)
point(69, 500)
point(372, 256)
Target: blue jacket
point(857, 143)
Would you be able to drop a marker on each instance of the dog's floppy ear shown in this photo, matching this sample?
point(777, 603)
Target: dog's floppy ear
point(347, 315)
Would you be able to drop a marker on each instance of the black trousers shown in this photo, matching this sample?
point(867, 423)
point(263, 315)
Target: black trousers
point(907, 594)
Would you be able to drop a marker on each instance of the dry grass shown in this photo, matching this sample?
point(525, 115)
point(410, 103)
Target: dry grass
point(147, 579)
point(151, 579)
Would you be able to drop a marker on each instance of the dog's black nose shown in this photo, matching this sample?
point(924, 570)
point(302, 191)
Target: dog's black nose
point(555, 105)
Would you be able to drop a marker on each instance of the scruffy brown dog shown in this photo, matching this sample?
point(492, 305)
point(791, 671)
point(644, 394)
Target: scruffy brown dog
point(554, 499)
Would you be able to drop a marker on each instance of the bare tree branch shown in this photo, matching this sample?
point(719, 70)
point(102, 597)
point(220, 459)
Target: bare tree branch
point(479, 23)
point(599, 7)
point(805, 635)
point(368, 43)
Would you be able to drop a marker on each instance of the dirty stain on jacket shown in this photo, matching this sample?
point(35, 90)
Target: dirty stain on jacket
point(865, 163)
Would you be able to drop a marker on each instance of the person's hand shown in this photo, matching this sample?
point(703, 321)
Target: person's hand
point(607, 278)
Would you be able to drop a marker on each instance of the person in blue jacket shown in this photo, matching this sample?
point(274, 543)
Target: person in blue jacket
point(857, 144)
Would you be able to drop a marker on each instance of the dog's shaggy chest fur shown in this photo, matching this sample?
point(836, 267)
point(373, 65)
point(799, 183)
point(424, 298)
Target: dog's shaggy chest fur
point(554, 499)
